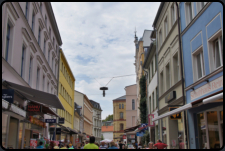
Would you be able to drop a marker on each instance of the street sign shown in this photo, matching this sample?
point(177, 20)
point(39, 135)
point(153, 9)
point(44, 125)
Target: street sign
point(8, 95)
point(61, 120)
point(50, 120)
point(150, 122)
point(175, 116)
point(58, 130)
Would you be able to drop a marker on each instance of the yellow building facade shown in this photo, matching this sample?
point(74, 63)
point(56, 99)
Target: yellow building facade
point(119, 117)
point(66, 91)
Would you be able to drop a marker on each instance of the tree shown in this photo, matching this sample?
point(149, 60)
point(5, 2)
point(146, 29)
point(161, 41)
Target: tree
point(102, 138)
point(108, 118)
point(143, 105)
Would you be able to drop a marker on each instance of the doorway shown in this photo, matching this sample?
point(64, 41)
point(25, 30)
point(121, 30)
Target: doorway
point(13, 132)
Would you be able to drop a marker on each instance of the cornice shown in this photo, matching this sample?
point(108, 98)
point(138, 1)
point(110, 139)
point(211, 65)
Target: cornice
point(39, 59)
point(33, 47)
point(46, 35)
point(35, 7)
point(26, 35)
point(44, 68)
point(12, 10)
point(41, 23)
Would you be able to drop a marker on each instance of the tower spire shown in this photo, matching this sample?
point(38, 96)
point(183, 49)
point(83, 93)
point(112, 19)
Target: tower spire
point(135, 32)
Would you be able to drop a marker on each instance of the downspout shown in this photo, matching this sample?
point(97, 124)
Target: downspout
point(182, 76)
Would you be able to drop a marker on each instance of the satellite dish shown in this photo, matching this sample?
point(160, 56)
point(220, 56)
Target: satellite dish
point(104, 88)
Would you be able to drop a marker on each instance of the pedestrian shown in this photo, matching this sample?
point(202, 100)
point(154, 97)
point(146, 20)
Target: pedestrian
point(120, 145)
point(103, 145)
point(116, 146)
point(136, 145)
point(70, 146)
point(55, 146)
point(63, 146)
point(82, 145)
point(150, 145)
point(113, 145)
point(160, 145)
point(125, 145)
point(91, 145)
point(40, 145)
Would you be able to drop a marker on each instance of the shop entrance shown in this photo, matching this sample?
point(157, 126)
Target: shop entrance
point(13, 132)
point(210, 128)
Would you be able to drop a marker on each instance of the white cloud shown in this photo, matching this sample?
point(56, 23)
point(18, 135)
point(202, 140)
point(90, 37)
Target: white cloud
point(98, 42)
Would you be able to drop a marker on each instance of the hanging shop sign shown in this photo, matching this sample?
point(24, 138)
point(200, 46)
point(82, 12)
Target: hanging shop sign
point(124, 137)
point(8, 95)
point(61, 120)
point(144, 127)
point(50, 120)
point(150, 122)
point(58, 130)
point(175, 116)
point(170, 96)
point(140, 134)
point(34, 108)
point(36, 121)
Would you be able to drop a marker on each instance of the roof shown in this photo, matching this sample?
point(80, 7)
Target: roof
point(146, 38)
point(95, 104)
point(130, 85)
point(121, 98)
point(107, 128)
point(158, 13)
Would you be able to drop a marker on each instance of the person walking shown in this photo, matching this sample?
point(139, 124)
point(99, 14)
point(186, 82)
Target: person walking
point(160, 145)
point(70, 146)
point(40, 145)
point(150, 145)
point(120, 145)
point(91, 145)
point(113, 145)
point(82, 145)
point(63, 146)
point(103, 145)
point(55, 146)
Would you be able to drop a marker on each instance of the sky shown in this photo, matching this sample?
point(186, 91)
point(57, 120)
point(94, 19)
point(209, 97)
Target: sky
point(98, 43)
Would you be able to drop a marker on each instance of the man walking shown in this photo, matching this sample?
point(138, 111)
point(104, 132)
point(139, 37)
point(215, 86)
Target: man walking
point(91, 145)
point(160, 145)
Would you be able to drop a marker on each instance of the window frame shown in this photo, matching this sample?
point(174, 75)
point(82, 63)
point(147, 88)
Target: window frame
point(41, 7)
point(119, 106)
point(168, 75)
point(39, 36)
point(30, 71)
point(22, 71)
point(173, 14)
point(122, 106)
point(43, 83)
point(160, 38)
point(37, 78)
point(161, 82)
point(27, 10)
point(166, 26)
point(33, 21)
point(133, 104)
point(176, 67)
point(7, 42)
point(121, 115)
point(188, 16)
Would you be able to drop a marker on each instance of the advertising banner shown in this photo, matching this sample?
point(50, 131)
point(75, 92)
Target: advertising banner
point(8, 95)
point(124, 137)
point(77, 140)
point(150, 122)
point(33, 142)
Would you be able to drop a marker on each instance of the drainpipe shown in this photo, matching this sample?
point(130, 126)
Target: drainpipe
point(182, 76)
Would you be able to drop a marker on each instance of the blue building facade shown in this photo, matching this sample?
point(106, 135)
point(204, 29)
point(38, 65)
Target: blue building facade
point(202, 48)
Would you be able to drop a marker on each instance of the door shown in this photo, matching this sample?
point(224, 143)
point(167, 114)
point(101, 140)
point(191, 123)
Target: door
point(13, 133)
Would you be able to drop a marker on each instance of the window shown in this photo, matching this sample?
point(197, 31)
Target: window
point(30, 70)
point(27, 10)
point(119, 106)
point(33, 20)
point(150, 102)
point(55, 69)
point(155, 62)
point(133, 104)
point(50, 32)
point(173, 13)
point(122, 106)
point(52, 63)
point(153, 101)
point(53, 41)
point(121, 126)
point(156, 90)
point(149, 75)
point(168, 84)
point(37, 81)
point(41, 7)
point(45, 20)
point(44, 46)
point(160, 38)
point(43, 83)
point(22, 61)
point(166, 27)
point(48, 87)
point(189, 12)
point(199, 6)
point(121, 115)
point(198, 64)
point(176, 68)
point(39, 36)
point(7, 42)
point(217, 53)
point(161, 83)
point(52, 90)
point(152, 69)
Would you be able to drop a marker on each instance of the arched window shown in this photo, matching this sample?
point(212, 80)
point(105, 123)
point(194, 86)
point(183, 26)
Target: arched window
point(122, 106)
point(119, 106)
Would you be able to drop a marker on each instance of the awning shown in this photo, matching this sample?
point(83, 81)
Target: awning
point(178, 110)
point(131, 128)
point(37, 96)
point(72, 131)
point(213, 98)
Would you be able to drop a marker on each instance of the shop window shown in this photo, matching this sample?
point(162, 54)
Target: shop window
point(198, 64)
point(201, 131)
point(164, 130)
point(13, 132)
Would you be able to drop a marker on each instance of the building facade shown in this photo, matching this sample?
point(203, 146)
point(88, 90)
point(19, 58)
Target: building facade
point(66, 95)
point(170, 81)
point(107, 132)
point(30, 60)
point(88, 117)
point(150, 65)
point(119, 117)
point(202, 47)
point(97, 114)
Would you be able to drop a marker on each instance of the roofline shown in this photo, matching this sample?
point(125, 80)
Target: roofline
point(158, 13)
point(79, 92)
point(130, 85)
point(54, 25)
point(67, 63)
point(144, 32)
point(148, 55)
point(120, 97)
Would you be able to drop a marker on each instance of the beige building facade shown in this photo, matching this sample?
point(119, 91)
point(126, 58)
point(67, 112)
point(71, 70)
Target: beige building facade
point(88, 114)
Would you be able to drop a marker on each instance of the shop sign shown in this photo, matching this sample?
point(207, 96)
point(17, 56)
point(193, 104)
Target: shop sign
point(144, 127)
point(87, 136)
point(132, 136)
point(207, 88)
point(5, 104)
point(36, 121)
point(170, 96)
point(50, 120)
point(34, 108)
point(175, 116)
point(77, 140)
point(8, 95)
point(124, 137)
point(51, 130)
point(17, 110)
point(58, 130)
point(61, 120)
point(33, 142)
point(140, 134)
point(174, 143)
point(150, 122)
